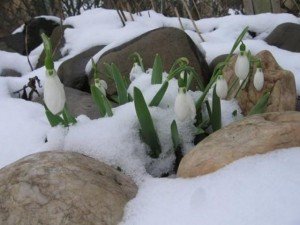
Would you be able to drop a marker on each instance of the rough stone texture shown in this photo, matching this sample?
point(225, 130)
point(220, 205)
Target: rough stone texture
point(16, 42)
point(216, 61)
point(169, 43)
point(281, 83)
point(58, 41)
point(72, 71)
point(257, 134)
point(78, 102)
point(285, 36)
point(13, 43)
point(9, 73)
point(63, 188)
point(298, 104)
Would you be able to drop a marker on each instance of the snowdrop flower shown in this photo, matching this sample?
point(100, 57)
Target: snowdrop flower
point(184, 106)
point(54, 93)
point(135, 71)
point(242, 64)
point(221, 87)
point(258, 80)
point(101, 85)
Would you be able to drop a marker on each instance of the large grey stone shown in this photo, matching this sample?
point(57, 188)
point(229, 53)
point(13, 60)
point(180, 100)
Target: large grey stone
point(65, 188)
point(285, 36)
point(169, 43)
point(72, 71)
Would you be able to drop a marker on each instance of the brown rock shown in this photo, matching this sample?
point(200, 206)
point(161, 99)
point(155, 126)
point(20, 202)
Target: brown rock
point(280, 82)
point(169, 43)
point(62, 188)
point(256, 134)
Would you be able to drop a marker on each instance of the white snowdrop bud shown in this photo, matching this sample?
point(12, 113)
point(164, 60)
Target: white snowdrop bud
point(221, 87)
point(184, 106)
point(135, 71)
point(54, 93)
point(258, 80)
point(242, 66)
point(101, 85)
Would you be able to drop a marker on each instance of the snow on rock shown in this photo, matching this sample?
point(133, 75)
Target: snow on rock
point(261, 189)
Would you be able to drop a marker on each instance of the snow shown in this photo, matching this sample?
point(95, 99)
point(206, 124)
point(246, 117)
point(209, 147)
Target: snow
point(261, 189)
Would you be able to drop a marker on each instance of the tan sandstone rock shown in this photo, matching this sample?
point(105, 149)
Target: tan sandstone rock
point(63, 188)
point(256, 134)
point(280, 82)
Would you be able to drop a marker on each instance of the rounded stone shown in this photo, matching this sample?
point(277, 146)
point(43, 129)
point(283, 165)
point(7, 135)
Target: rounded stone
point(63, 188)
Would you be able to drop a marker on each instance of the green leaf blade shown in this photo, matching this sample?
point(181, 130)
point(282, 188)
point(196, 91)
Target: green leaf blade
point(159, 95)
point(148, 131)
point(120, 84)
point(157, 70)
point(216, 119)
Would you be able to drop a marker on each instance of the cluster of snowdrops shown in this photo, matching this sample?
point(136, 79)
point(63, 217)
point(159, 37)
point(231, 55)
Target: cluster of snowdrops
point(184, 107)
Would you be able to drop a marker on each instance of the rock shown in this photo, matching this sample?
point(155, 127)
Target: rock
point(216, 61)
point(281, 83)
point(298, 104)
point(16, 42)
point(72, 71)
point(9, 73)
point(78, 102)
point(285, 36)
point(64, 188)
point(256, 134)
point(58, 41)
point(13, 43)
point(169, 43)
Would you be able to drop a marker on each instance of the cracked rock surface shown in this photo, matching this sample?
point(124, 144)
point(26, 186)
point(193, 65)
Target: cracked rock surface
point(256, 134)
point(62, 188)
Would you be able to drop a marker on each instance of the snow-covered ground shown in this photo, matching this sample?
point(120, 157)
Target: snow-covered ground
point(255, 190)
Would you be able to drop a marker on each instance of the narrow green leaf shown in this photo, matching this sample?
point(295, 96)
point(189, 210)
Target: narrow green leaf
point(261, 105)
point(199, 131)
point(48, 52)
point(120, 84)
point(148, 132)
point(96, 95)
point(69, 119)
point(157, 70)
point(208, 108)
point(160, 94)
point(95, 70)
point(54, 120)
point(176, 145)
point(216, 121)
point(175, 135)
point(107, 105)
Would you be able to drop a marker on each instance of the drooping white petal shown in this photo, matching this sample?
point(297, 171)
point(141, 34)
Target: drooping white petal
point(242, 66)
point(135, 71)
point(191, 105)
point(258, 80)
point(221, 87)
point(101, 85)
point(184, 107)
point(54, 93)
